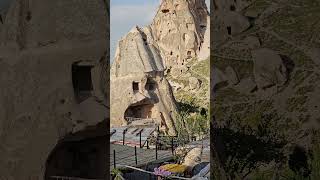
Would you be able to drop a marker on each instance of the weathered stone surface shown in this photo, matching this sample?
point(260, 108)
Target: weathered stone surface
point(39, 105)
point(217, 77)
point(269, 68)
point(179, 30)
point(285, 107)
point(228, 20)
point(246, 86)
point(252, 42)
point(314, 53)
point(194, 83)
point(176, 86)
point(205, 46)
point(138, 86)
point(192, 158)
point(232, 75)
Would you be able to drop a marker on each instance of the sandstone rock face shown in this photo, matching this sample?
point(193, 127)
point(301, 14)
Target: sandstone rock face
point(53, 67)
point(194, 83)
point(217, 77)
point(269, 68)
point(138, 86)
point(314, 53)
point(179, 29)
point(228, 20)
point(232, 75)
point(277, 64)
point(205, 47)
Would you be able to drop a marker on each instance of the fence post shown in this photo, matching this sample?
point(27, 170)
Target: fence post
point(114, 158)
point(147, 144)
point(123, 137)
point(140, 139)
point(135, 154)
point(157, 149)
point(172, 146)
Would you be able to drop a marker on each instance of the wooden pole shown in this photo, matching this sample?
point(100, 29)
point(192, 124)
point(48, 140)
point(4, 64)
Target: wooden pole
point(140, 139)
point(172, 149)
point(157, 149)
point(135, 154)
point(123, 137)
point(114, 158)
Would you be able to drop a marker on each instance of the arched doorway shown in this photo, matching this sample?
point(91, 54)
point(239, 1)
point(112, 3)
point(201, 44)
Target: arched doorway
point(80, 155)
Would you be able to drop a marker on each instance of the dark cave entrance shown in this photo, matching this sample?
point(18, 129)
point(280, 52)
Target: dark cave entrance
point(82, 81)
point(150, 85)
point(83, 155)
point(142, 111)
point(135, 86)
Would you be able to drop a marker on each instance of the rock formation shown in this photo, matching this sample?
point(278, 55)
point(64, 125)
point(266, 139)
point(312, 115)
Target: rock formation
point(180, 30)
point(53, 98)
point(269, 93)
point(269, 69)
point(138, 86)
point(178, 33)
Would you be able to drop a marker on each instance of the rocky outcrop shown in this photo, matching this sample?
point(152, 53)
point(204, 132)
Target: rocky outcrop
point(204, 52)
point(269, 68)
point(274, 51)
point(179, 29)
point(217, 78)
point(192, 158)
point(138, 86)
point(232, 75)
point(228, 20)
point(194, 83)
point(52, 67)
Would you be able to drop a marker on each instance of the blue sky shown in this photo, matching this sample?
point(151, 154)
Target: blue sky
point(125, 14)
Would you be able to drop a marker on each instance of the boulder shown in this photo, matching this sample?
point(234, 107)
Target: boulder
point(246, 85)
point(192, 158)
point(217, 77)
point(194, 83)
point(252, 42)
point(232, 76)
point(269, 68)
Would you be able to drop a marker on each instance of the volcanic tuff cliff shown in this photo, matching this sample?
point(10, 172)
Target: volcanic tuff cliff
point(265, 87)
point(53, 72)
point(138, 87)
point(165, 49)
point(181, 31)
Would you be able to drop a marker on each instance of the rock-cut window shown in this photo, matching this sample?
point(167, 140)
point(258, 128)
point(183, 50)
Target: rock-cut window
point(229, 30)
point(135, 86)
point(82, 82)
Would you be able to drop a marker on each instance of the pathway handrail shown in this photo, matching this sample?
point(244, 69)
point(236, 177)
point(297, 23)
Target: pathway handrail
point(70, 178)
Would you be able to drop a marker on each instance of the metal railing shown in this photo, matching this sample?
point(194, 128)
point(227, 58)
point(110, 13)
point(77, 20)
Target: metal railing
point(70, 178)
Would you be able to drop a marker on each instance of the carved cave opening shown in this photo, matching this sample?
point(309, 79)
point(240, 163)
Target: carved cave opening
point(142, 111)
point(82, 82)
point(84, 158)
point(135, 86)
point(229, 30)
point(165, 10)
point(151, 85)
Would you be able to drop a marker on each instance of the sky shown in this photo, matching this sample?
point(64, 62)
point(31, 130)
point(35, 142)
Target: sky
point(125, 14)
